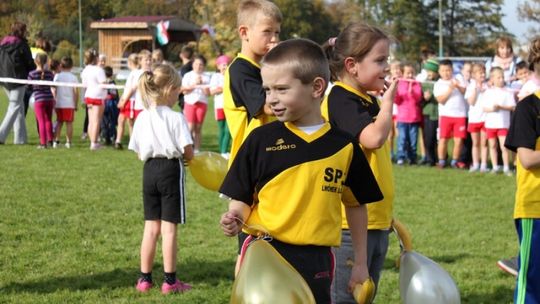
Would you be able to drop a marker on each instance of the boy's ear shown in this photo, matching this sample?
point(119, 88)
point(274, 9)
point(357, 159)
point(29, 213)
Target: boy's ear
point(242, 31)
point(319, 87)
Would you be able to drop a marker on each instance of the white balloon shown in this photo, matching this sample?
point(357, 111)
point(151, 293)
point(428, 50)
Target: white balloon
point(422, 281)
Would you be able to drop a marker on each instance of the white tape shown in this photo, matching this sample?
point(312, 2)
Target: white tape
point(57, 84)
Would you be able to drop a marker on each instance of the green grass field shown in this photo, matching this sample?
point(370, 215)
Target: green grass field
point(71, 224)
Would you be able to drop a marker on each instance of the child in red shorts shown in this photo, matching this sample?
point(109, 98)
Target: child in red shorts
point(66, 101)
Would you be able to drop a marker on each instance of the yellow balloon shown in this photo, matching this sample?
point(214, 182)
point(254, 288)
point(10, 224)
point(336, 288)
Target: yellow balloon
point(365, 292)
point(208, 169)
point(266, 277)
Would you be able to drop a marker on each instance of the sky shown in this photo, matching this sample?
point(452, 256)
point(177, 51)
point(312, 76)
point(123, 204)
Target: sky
point(511, 22)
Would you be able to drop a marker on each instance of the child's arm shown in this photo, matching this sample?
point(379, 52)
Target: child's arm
point(357, 219)
point(529, 159)
point(442, 99)
point(188, 153)
point(232, 221)
point(375, 134)
point(216, 90)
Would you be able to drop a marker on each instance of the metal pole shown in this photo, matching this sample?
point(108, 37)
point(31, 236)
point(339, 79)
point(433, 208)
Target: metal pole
point(440, 30)
point(80, 37)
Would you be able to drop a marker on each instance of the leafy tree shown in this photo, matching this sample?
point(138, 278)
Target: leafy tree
point(530, 11)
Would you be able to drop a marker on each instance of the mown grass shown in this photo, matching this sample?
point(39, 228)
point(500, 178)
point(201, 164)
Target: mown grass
point(71, 225)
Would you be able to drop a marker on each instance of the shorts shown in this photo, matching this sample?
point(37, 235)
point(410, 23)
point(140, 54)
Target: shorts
point(65, 114)
point(377, 247)
point(528, 282)
point(93, 101)
point(314, 263)
point(220, 114)
point(163, 190)
point(452, 127)
point(129, 111)
point(494, 133)
point(476, 127)
point(195, 113)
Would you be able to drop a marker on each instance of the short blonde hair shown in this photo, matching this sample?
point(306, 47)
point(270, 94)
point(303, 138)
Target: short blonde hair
point(155, 87)
point(246, 14)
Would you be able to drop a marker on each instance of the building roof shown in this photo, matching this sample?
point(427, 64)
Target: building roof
point(145, 22)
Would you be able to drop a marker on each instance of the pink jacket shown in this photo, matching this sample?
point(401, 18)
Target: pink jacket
point(408, 100)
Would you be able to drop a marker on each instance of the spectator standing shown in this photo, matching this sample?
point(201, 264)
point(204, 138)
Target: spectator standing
point(16, 62)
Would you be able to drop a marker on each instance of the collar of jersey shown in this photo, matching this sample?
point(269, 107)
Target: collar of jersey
point(240, 55)
point(353, 90)
point(308, 137)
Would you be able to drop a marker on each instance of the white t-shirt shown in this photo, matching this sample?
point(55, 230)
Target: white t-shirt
point(476, 112)
point(197, 95)
point(132, 82)
point(455, 106)
point(65, 96)
point(217, 81)
point(499, 119)
point(160, 132)
point(92, 77)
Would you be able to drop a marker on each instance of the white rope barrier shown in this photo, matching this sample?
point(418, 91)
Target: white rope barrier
point(57, 84)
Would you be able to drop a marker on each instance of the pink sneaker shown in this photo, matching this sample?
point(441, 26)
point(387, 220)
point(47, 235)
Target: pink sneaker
point(179, 286)
point(143, 286)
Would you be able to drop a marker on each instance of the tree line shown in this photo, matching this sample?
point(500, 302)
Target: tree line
point(468, 26)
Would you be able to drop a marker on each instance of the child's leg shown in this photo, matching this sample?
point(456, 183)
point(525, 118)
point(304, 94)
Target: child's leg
point(483, 150)
point(505, 154)
point(493, 155)
point(421, 144)
point(131, 122)
point(458, 144)
point(221, 136)
point(413, 142)
point(95, 114)
point(197, 134)
point(168, 237)
point(152, 230)
point(69, 131)
point(120, 128)
point(48, 123)
point(58, 131)
point(401, 142)
point(475, 137)
point(39, 109)
point(441, 150)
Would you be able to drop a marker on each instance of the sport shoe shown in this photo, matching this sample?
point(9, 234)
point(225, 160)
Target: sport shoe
point(95, 146)
point(55, 144)
point(143, 286)
point(118, 146)
point(68, 145)
point(509, 265)
point(179, 286)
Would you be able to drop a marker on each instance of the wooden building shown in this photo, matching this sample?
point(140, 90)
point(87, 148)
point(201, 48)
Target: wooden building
point(121, 36)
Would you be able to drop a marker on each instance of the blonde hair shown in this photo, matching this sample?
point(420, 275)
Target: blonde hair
point(90, 56)
point(155, 87)
point(478, 66)
point(246, 13)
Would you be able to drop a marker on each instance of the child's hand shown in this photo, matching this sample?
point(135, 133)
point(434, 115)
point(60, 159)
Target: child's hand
point(230, 224)
point(121, 103)
point(390, 92)
point(427, 95)
point(359, 275)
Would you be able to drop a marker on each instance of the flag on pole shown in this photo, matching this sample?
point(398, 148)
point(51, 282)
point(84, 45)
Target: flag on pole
point(161, 32)
point(206, 28)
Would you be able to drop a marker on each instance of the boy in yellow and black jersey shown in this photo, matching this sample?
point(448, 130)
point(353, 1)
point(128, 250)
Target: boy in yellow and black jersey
point(291, 176)
point(259, 23)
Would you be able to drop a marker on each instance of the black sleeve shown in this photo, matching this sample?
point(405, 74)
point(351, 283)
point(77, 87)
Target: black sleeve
point(239, 183)
point(523, 126)
point(28, 61)
point(246, 86)
point(361, 180)
point(349, 116)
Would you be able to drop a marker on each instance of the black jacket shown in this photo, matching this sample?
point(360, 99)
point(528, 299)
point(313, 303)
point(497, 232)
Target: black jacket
point(15, 60)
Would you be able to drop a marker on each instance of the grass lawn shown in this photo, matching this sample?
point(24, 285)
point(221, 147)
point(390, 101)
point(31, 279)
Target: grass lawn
point(71, 227)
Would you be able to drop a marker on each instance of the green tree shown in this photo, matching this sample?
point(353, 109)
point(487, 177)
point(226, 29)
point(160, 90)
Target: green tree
point(530, 11)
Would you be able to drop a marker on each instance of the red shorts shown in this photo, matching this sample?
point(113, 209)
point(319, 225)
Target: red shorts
point(93, 101)
point(452, 127)
point(494, 133)
point(195, 113)
point(220, 114)
point(129, 111)
point(65, 114)
point(476, 127)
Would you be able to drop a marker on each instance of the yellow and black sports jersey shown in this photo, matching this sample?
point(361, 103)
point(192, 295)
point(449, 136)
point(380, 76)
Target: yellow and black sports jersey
point(296, 182)
point(243, 100)
point(524, 132)
point(351, 111)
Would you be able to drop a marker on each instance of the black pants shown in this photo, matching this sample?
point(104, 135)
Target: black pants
point(430, 140)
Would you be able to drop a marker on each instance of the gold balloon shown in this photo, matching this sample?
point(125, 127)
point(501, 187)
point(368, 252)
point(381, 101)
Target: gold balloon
point(365, 292)
point(266, 277)
point(208, 169)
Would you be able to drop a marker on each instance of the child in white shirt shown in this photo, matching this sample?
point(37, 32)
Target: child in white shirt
point(66, 101)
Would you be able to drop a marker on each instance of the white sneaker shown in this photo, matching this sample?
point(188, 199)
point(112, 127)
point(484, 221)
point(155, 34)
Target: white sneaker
point(225, 155)
point(95, 146)
point(68, 145)
point(55, 144)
